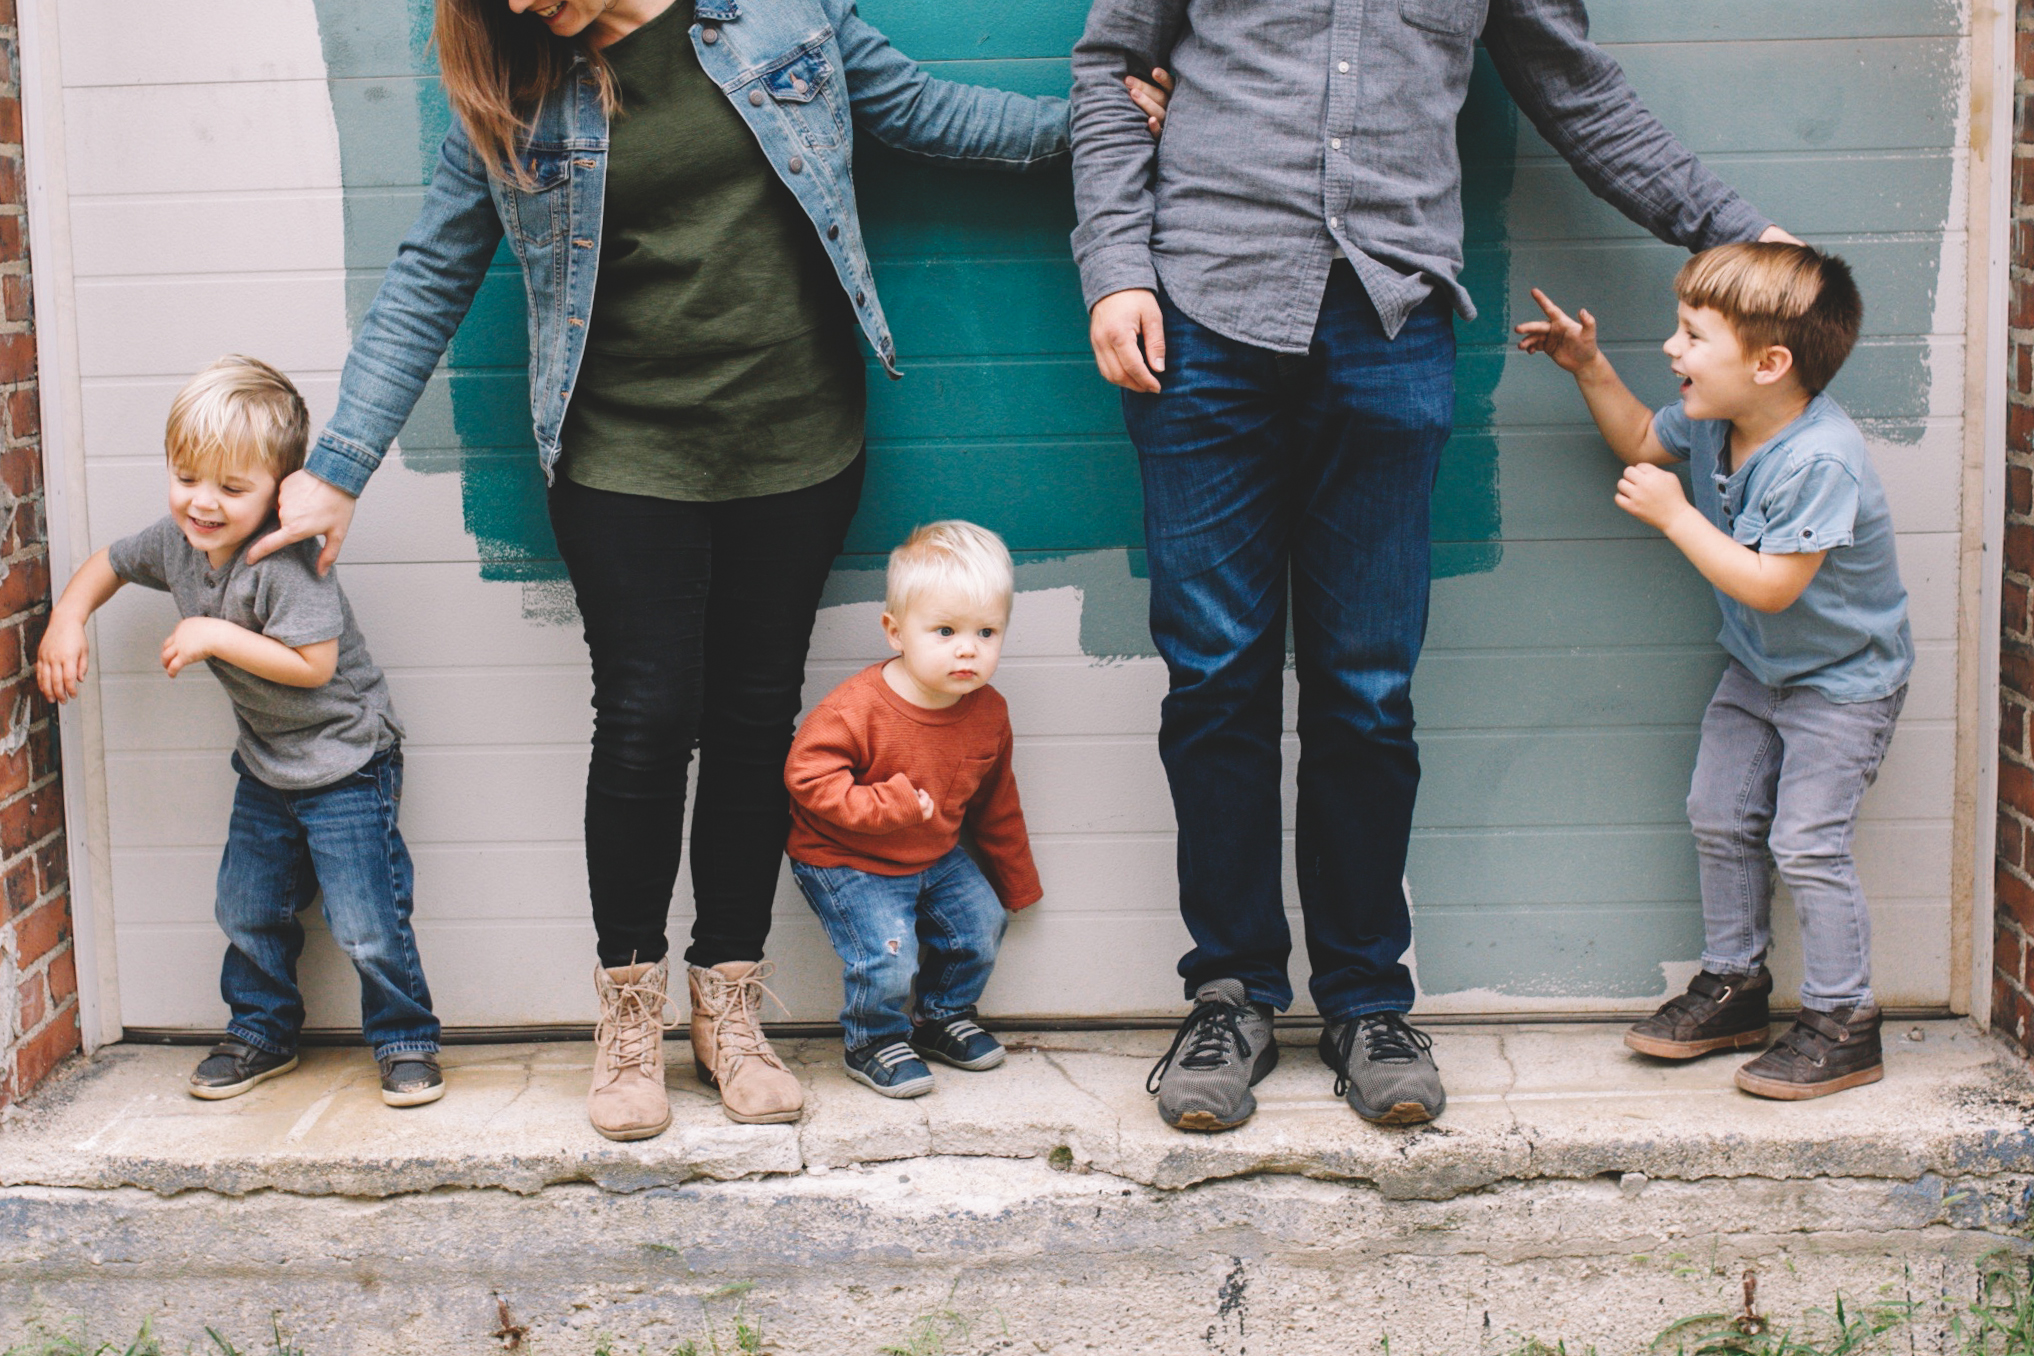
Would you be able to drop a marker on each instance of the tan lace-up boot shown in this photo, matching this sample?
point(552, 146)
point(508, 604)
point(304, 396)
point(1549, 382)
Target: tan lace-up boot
point(728, 1047)
point(628, 1100)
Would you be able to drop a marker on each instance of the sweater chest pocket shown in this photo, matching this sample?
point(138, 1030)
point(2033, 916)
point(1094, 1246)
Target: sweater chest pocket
point(968, 776)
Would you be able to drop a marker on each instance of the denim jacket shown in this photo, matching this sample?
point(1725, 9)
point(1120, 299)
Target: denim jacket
point(804, 75)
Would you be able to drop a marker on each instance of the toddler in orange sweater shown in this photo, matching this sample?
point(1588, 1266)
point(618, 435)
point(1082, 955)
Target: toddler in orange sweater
point(883, 775)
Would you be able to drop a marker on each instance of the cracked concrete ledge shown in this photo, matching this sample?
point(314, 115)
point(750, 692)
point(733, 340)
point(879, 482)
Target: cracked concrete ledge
point(1533, 1103)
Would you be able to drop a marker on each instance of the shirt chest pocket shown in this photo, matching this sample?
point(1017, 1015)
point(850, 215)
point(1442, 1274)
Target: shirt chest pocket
point(967, 780)
point(805, 87)
point(1453, 18)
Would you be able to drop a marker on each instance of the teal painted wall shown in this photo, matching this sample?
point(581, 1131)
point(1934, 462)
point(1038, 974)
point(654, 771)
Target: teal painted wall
point(1571, 649)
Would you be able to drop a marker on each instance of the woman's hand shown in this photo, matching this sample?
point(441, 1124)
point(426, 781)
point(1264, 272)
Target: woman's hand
point(926, 809)
point(1151, 96)
point(308, 507)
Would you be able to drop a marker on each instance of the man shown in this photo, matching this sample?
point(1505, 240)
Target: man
point(1274, 290)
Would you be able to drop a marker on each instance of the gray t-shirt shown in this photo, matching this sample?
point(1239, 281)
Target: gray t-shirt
point(1812, 488)
point(292, 738)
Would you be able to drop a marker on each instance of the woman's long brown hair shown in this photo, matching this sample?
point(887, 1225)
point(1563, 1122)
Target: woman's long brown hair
point(497, 66)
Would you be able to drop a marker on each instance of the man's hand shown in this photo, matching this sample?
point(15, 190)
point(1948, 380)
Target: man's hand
point(1779, 233)
point(1151, 96)
point(308, 507)
point(1115, 327)
point(1652, 496)
point(195, 639)
point(61, 659)
point(1569, 340)
point(926, 809)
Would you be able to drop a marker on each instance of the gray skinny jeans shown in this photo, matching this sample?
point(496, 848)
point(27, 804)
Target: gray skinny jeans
point(1777, 782)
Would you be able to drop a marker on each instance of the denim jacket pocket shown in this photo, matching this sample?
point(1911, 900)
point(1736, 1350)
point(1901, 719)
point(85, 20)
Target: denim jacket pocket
point(1455, 18)
point(805, 83)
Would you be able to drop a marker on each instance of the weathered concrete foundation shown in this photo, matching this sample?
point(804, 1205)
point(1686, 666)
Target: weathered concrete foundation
point(1573, 1192)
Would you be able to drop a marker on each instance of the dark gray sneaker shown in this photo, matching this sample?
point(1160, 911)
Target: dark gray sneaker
point(235, 1066)
point(1385, 1066)
point(411, 1080)
point(1221, 1050)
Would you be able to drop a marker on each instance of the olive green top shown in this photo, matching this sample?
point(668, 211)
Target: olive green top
point(721, 361)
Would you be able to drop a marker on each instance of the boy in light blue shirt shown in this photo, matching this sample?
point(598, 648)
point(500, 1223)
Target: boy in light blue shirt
point(1790, 525)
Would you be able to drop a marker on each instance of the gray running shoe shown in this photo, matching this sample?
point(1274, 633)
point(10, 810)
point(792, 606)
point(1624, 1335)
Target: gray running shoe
point(1222, 1049)
point(1385, 1066)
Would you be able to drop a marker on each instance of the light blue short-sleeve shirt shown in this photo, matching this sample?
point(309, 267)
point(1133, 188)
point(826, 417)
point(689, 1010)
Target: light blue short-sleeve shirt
point(1812, 488)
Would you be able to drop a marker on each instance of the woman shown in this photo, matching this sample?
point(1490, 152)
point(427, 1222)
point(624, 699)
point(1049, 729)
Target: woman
point(701, 428)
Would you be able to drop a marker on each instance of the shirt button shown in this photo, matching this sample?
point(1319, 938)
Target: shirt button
point(710, 36)
point(860, 298)
point(833, 232)
point(1336, 144)
point(1335, 222)
point(1341, 66)
point(797, 165)
point(755, 98)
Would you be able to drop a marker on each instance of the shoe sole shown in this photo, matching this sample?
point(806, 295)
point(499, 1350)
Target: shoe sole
point(634, 1132)
point(988, 1061)
point(1399, 1113)
point(917, 1087)
point(1666, 1049)
point(421, 1097)
point(235, 1089)
point(1801, 1092)
point(745, 1117)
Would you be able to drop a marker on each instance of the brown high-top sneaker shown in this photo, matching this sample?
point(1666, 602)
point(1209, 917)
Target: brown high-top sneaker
point(628, 1100)
point(728, 1047)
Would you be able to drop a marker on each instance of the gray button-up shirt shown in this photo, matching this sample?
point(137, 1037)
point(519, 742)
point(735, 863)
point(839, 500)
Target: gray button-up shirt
point(1305, 127)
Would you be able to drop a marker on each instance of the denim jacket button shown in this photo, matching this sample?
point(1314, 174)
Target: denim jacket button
point(833, 231)
point(709, 36)
point(797, 165)
point(860, 297)
point(755, 98)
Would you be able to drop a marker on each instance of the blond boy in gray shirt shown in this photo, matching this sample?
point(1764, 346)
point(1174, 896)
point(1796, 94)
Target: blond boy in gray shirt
point(319, 753)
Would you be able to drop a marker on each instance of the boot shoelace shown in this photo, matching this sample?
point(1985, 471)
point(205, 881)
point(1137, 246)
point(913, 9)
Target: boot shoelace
point(738, 1017)
point(1207, 1036)
point(1387, 1039)
point(631, 1027)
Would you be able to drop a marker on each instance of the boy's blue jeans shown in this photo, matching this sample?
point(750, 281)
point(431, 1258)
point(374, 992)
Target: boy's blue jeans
point(1308, 476)
point(1777, 783)
point(282, 848)
point(879, 924)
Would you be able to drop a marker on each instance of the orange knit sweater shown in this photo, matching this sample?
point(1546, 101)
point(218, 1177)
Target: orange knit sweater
point(859, 761)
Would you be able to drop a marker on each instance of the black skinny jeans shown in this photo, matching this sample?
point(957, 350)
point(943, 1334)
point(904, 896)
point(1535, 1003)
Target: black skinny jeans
point(698, 616)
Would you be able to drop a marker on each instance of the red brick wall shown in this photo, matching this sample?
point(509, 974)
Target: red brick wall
point(38, 965)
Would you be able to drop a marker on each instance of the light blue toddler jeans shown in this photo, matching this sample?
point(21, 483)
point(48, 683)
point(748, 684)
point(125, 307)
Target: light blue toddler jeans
point(1777, 783)
point(878, 925)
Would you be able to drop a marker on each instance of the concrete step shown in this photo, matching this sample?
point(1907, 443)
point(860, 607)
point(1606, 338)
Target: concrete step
point(1572, 1191)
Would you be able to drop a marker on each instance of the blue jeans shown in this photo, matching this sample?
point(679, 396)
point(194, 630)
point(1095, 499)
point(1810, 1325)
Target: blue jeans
point(1777, 783)
point(282, 848)
point(878, 926)
point(1262, 468)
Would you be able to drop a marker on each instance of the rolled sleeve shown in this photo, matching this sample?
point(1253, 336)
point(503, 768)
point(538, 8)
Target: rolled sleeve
point(1814, 507)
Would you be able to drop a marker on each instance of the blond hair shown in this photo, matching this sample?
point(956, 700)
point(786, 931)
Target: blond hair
point(238, 413)
point(497, 66)
point(950, 556)
point(1794, 296)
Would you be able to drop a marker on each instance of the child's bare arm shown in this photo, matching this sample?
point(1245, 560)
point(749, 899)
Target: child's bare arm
point(63, 656)
point(199, 638)
point(1762, 581)
point(1624, 420)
